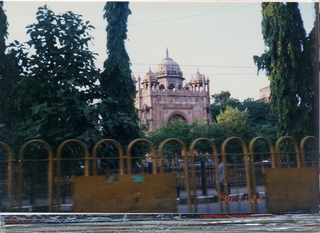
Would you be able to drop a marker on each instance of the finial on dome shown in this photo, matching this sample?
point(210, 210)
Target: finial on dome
point(167, 53)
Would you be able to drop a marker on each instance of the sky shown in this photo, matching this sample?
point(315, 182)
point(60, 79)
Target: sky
point(217, 38)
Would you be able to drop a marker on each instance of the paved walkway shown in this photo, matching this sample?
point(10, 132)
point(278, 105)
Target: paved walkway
point(165, 223)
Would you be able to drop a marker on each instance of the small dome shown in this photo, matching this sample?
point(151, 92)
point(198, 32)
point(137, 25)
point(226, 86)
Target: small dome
point(150, 76)
point(197, 78)
point(168, 67)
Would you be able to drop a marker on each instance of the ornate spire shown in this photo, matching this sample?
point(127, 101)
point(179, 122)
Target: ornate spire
point(167, 53)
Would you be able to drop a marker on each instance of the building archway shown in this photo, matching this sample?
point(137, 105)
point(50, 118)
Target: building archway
point(177, 116)
point(161, 87)
point(171, 86)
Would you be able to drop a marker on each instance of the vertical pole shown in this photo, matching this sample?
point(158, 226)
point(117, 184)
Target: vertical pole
point(203, 178)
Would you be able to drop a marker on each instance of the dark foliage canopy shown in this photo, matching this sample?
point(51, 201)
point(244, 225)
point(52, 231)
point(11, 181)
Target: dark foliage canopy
point(117, 88)
point(288, 62)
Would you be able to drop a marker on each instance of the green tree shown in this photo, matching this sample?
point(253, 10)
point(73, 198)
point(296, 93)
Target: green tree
point(3, 36)
point(287, 64)
point(235, 122)
point(59, 80)
point(10, 113)
point(179, 129)
point(117, 89)
point(187, 133)
point(221, 100)
point(3, 62)
point(259, 112)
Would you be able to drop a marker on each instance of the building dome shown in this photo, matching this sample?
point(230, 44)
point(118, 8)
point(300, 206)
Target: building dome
point(197, 78)
point(168, 67)
point(150, 76)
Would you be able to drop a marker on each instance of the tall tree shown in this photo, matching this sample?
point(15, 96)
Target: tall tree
point(287, 64)
point(3, 34)
point(119, 118)
point(9, 78)
point(3, 61)
point(59, 80)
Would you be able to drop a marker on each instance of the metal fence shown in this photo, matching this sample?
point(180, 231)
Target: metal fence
point(38, 179)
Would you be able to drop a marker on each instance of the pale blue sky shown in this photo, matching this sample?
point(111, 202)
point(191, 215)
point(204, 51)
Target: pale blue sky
point(218, 38)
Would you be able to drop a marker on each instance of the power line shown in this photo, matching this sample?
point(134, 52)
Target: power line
point(211, 75)
point(209, 66)
point(192, 16)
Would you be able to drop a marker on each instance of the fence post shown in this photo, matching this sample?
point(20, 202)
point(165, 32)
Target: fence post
point(9, 173)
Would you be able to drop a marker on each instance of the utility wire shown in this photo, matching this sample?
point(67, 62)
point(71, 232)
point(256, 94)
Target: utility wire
point(233, 67)
point(192, 16)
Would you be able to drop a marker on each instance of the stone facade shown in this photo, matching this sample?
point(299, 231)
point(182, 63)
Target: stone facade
point(265, 94)
point(162, 97)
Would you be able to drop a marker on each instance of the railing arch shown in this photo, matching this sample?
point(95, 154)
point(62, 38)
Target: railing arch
point(193, 172)
point(120, 153)
point(50, 170)
point(86, 155)
point(251, 152)
point(245, 156)
point(185, 159)
point(296, 147)
point(303, 152)
point(153, 154)
point(59, 154)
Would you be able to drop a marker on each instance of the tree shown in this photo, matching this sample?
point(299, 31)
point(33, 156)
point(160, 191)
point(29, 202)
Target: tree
point(59, 80)
point(259, 113)
point(3, 61)
point(10, 113)
point(235, 123)
point(3, 36)
point(187, 133)
point(179, 129)
point(287, 64)
point(221, 100)
point(117, 90)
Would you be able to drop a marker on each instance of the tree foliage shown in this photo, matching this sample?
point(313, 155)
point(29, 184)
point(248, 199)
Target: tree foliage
point(3, 33)
point(231, 122)
point(259, 113)
point(221, 100)
point(10, 113)
point(185, 132)
point(57, 84)
point(117, 90)
point(235, 122)
point(247, 119)
point(288, 64)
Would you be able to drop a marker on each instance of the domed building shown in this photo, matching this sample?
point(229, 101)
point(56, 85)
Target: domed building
point(162, 96)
